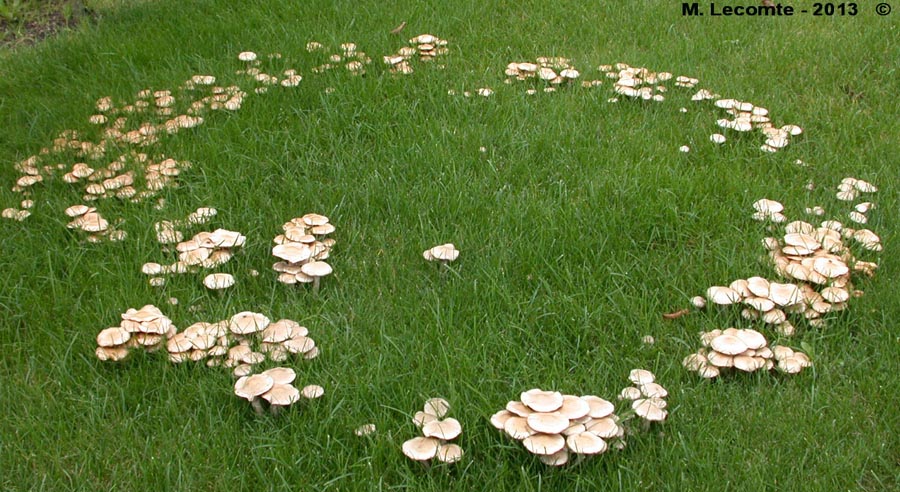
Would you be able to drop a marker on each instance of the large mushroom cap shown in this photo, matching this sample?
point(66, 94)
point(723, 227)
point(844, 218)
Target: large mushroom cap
point(421, 448)
point(449, 453)
point(218, 281)
point(281, 375)
point(650, 409)
point(542, 401)
point(548, 423)
point(292, 252)
point(249, 387)
point(586, 443)
point(247, 322)
point(316, 269)
point(281, 394)
point(544, 444)
point(445, 430)
point(444, 252)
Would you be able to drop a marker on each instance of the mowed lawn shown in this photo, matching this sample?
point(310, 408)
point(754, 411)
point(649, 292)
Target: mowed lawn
point(579, 224)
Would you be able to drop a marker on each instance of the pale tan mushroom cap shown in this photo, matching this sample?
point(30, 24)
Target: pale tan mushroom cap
point(112, 337)
point(449, 453)
point(281, 394)
point(586, 443)
point(542, 401)
point(281, 375)
point(649, 409)
point(544, 444)
point(249, 387)
point(312, 391)
point(247, 322)
point(641, 376)
point(421, 448)
point(446, 430)
point(316, 269)
point(600, 408)
point(437, 407)
point(218, 281)
point(548, 423)
point(292, 252)
point(444, 252)
point(498, 419)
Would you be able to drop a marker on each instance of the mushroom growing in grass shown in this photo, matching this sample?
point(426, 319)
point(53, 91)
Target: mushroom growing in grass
point(444, 253)
point(218, 281)
point(316, 270)
point(437, 431)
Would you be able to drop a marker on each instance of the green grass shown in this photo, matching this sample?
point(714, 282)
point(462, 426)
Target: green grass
point(579, 226)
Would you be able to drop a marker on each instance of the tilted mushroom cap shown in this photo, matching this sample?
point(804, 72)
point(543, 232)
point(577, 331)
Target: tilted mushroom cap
point(830, 267)
point(544, 444)
point(606, 427)
point(517, 428)
point(281, 375)
point(600, 408)
point(247, 322)
point(835, 294)
point(574, 407)
point(654, 390)
point(519, 408)
point(292, 252)
point(247, 56)
point(281, 394)
point(112, 337)
point(752, 338)
point(758, 286)
point(218, 281)
point(316, 269)
point(765, 205)
point(437, 407)
point(633, 393)
point(446, 430)
point(312, 391)
point(249, 387)
point(114, 354)
point(498, 419)
point(641, 376)
point(558, 458)
point(421, 418)
point(723, 295)
point(421, 448)
point(314, 219)
point(77, 210)
point(649, 409)
point(542, 401)
point(444, 252)
point(548, 423)
point(586, 443)
point(449, 453)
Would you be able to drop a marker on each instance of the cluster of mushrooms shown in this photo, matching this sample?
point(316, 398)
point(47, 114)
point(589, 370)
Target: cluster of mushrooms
point(290, 77)
point(746, 117)
point(303, 249)
point(437, 432)
point(552, 425)
point(647, 397)
point(351, 58)
point(145, 328)
point(554, 71)
point(88, 220)
point(424, 47)
point(203, 250)
point(274, 386)
point(242, 342)
point(637, 82)
point(745, 350)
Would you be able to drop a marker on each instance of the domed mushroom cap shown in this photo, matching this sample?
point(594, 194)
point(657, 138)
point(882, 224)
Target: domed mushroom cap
point(641, 376)
point(752, 338)
point(449, 453)
point(249, 387)
point(446, 430)
point(542, 401)
point(316, 269)
point(247, 56)
point(606, 428)
point(247, 322)
point(421, 448)
point(654, 390)
point(548, 423)
point(784, 294)
point(281, 375)
point(281, 394)
point(544, 444)
point(586, 443)
point(517, 428)
point(218, 281)
point(574, 407)
point(767, 206)
point(723, 295)
point(312, 391)
point(421, 418)
point(444, 252)
point(498, 419)
point(313, 220)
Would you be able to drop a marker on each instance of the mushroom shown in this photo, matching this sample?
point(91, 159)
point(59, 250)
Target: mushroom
point(218, 281)
point(316, 270)
point(444, 253)
point(250, 387)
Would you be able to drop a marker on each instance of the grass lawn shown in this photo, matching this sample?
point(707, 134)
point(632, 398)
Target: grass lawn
point(579, 224)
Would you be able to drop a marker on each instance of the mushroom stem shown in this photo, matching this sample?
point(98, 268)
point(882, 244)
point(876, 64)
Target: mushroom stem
point(316, 285)
point(275, 409)
point(257, 406)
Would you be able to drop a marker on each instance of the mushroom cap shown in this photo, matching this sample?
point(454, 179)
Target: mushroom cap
point(586, 443)
point(498, 419)
point(421, 418)
point(249, 387)
point(653, 390)
point(631, 393)
point(312, 391)
point(281, 394)
point(558, 458)
point(316, 269)
point(112, 337)
point(446, 430)
point(246, 56)
point(247, 322)
point(313, 220)
point(281, 375)
point(544, 444)
point(649, 409)
point(517, 428)
point(449, 453)
point(542, 401)
point(111, 353)
point(292, 252)
point(444, 252)
point(723, 295)
point(421, 448)
point(437, 407)
point(641, 376)
point(364, 430)
point(574, 407)
point(548, 423)
point(752, 338)
point(784, 294)
point(606, 427)
point(600, 408)
point(518, 408)
point(218, 281)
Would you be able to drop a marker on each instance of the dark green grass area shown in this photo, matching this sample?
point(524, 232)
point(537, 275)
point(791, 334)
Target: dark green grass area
point(579, 226)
